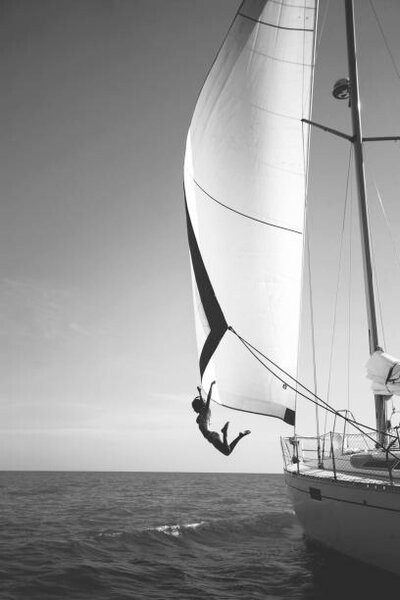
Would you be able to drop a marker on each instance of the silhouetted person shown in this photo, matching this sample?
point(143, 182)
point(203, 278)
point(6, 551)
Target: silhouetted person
point(203, 421)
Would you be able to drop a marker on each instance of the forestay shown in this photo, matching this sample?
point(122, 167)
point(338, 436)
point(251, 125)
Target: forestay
point(245, 185)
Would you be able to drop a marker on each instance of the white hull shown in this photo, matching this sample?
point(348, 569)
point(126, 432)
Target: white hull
point(360, 519)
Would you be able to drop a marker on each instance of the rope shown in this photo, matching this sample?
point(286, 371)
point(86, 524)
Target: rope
point(322, 27)
point(360, 427)
point(377, 287)
point(385, 40)
point(376, 271)
point(396, 252)
point(387, 223)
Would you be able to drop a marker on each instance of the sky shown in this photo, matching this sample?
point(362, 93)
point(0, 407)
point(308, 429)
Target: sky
point(98, 361)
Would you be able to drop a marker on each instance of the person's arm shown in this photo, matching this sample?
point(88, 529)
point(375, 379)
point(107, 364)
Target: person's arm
point(209, 396)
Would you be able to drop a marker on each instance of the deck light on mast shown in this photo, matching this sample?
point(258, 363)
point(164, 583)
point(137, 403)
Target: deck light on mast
point(341, 89)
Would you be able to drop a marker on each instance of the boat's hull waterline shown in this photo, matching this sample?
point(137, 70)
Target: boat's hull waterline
point(358, 518)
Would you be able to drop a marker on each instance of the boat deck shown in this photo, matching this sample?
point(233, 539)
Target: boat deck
point(355, 478)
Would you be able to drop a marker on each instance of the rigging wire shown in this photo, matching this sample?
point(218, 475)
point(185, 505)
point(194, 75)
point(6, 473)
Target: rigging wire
point(387, 223)
point(385, 40)
point(306, 144)
point(386, 220)
point(397, 256)
point(311, 304)
point(349, 294)
point(335, 309)
point(377, 286)
point(322, 26)
point(393, 243)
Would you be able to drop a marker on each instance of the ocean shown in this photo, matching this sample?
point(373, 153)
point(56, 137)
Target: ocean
point(161, 536)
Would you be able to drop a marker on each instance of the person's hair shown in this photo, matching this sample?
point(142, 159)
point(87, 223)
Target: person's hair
point(197, 404)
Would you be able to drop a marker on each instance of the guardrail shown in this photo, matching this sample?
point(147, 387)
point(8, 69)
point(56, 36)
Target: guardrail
point(344, 455)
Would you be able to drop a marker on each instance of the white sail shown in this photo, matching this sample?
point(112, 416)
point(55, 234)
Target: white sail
point(245, 185)
point(384, 370)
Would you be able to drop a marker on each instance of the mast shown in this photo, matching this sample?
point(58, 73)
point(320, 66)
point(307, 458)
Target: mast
point(380, 412)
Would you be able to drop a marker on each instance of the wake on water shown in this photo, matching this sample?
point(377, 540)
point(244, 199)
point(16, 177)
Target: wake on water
point(229, 527)
point(176, 530)
point(214, 530)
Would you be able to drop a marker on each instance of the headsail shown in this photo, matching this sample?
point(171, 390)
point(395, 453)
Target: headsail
point(245, 185)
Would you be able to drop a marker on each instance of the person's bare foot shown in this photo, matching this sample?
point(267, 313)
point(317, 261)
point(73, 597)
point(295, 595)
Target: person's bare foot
point(246, 432)
point(225, 428)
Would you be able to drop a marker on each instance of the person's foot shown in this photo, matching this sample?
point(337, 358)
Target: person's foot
point(225, 428)
point(246, 432)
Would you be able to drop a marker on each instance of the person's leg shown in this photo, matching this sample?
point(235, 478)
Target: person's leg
point(222, 445)
point(224, 432)
point(236, 440)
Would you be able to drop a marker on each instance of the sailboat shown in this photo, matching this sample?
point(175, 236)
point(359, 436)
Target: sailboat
point(247, 170)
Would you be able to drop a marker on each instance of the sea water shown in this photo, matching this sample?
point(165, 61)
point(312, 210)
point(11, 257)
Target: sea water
point(161, 536)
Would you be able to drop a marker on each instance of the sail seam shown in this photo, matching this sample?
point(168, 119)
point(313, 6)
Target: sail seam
point(275, 26)
point(282, 169)
point(279, 60)
point(287, 5)
point(262, 414)
point(244, 214)
point(281, 116)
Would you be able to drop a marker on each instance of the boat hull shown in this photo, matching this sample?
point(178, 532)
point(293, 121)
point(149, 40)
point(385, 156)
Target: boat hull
point(361, 521)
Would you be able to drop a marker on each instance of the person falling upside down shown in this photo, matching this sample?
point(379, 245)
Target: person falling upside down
point(203, 421)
